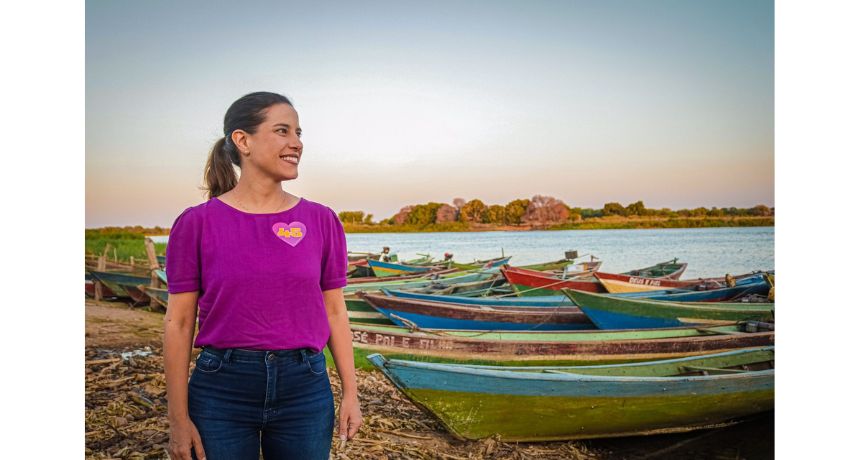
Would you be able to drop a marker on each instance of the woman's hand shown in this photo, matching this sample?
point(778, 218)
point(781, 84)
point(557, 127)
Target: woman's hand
point(350, 418)
point(184, 437)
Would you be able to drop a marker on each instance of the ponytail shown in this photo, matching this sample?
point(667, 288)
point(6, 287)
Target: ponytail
point(219, 173)
point(246, 113)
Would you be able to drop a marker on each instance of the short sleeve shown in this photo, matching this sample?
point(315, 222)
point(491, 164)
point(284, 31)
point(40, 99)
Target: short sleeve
point(334, 260)
point(183, 253)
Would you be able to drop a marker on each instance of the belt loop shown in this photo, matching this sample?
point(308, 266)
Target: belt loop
point(304, 353)
point(227, 354)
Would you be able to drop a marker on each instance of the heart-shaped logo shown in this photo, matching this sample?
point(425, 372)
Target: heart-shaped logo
point(291, 233)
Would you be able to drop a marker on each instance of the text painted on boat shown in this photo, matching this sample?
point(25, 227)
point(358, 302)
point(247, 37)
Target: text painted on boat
point(407, 342)
point(645, 281)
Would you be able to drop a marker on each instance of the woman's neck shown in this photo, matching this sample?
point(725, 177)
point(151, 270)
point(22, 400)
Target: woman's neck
point(258, 192)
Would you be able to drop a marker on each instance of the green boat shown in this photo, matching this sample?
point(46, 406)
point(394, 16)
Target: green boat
point(612, 312)
point(533, 348)
point(565, 403)
point(361, 313)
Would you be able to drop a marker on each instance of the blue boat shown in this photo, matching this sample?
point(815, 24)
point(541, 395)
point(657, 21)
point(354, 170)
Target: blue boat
point(421, 282)
point(537, 301)
point(747, 286)
point(580, 402)
point(413, 313)
point(383, 269)
point(612, 312)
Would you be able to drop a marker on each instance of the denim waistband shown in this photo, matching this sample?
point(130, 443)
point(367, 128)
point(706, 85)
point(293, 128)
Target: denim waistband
point(241, 354)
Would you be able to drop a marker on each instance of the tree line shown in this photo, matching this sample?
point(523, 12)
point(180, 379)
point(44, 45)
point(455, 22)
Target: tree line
point(540, 210)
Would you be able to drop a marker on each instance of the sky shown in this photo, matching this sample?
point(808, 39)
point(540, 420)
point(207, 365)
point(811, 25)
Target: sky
point(669, 102)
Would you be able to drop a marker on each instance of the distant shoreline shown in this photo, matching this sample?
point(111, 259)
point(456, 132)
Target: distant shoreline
point(127, 242)
point(600, 223)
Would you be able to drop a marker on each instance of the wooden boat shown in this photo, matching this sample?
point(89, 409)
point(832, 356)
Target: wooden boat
point(541, 301)
point(158, 295)
point(124, 284)
point(621, 283)
point(556, 265)
point(90, 288)
point(437, 315)
point(359, 269)
point(417, 276)
point(744, 287)
point(361, 313)
point(420, 281)
point(534, 283)
point(487, 264)
point(353, 256)
point(531, 348)
point(424, 259)
point(384, 269)
point(670, 270)
point(457, 288)
point(611, 312)
point(580, 402)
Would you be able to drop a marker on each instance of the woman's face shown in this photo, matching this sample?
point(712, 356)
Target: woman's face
point(276, 148)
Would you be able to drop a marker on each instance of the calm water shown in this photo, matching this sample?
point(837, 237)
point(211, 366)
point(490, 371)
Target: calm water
point(708, 251)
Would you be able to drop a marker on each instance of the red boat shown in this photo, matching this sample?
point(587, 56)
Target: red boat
point(534, 283)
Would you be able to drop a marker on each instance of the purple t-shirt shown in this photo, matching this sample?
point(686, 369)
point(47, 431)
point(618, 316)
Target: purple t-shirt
point(260, 277)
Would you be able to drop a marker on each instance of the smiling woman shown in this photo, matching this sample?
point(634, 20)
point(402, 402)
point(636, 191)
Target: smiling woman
point(266, 309)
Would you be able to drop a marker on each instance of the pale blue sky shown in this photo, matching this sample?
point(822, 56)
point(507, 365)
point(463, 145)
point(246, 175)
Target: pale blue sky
point(670, 102)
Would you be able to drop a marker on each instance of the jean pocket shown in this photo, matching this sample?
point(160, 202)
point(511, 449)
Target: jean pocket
point(208, 362)
point(316, 363)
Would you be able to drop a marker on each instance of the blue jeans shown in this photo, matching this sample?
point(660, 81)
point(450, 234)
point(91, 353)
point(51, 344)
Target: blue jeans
point(244, 400)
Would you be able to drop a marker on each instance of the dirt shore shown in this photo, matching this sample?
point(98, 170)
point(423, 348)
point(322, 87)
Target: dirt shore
point(126, 411)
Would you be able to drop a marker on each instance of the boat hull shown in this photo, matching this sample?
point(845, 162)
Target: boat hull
point(437, 315)
point(476, 403)
point(620, 283)
point(551, 348)
point(609, 312)
point(529, 283)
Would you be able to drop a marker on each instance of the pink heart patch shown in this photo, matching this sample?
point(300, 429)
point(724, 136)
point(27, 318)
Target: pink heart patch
point(291, 233)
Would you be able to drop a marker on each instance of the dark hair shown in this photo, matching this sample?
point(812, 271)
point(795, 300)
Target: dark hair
point(247, 113)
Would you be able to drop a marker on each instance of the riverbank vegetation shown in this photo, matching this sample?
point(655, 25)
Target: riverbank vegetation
point(125, 242)
point(549, 213)
point(538, 213)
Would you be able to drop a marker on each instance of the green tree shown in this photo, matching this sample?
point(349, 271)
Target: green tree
point(496, 214)
point(636, 209)
point(473, 211)
point(715, 212)
point(588, 213)
point(760, 210)
point(423, 214)
point(613, 208)
point(515, 210)
point(351, 216)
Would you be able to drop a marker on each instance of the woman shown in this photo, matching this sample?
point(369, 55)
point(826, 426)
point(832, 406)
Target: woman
point(266, 268)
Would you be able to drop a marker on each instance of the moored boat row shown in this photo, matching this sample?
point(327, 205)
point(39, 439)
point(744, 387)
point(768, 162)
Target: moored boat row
point(557, 350)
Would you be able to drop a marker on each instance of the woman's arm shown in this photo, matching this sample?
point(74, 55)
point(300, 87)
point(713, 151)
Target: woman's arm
point(340, 344)
point(178, 333)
